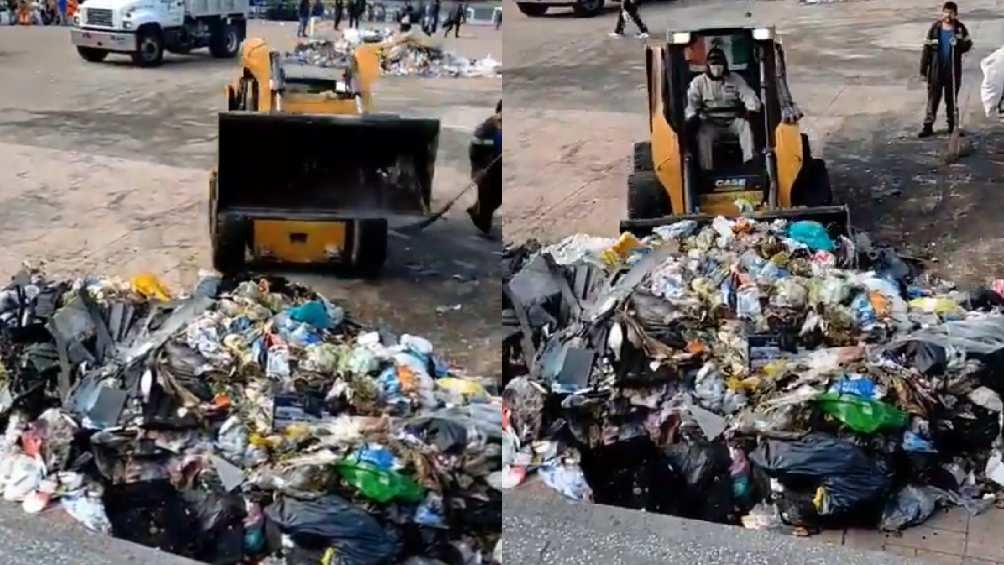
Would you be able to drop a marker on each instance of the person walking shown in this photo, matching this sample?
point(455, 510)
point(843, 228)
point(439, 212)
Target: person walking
point(941, 66)
point(486, 170)
point(356, 9)
point(629, 9)
point(456, 18)
point(316, 13)
point(427, 18)
point(406, 18)
point(437, 8)
point(304, 14)
point(339, 12)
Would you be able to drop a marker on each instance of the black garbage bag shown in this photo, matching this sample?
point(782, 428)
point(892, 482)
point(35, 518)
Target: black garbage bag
point(853, 482)
point(220, 520)
point(928, 358)
point(625, 473)
point(153, 514)
point(964, 429)
point(331, 521)
point(911, 506)
point(703, 489)
point(447, 435)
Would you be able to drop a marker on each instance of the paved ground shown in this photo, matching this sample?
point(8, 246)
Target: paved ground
point(576, 99)
point(104, 168)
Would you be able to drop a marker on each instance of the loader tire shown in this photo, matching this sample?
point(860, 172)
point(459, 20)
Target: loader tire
point(532, 10)
point(646, 197)
point(229, 244)
point(643, 157)
point(812, 187)
point(587, 8)
point(225, 41)
point(369, 247)
point(92, 55)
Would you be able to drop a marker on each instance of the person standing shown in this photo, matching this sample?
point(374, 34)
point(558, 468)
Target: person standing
point(339, 12)
point(406, 18)
point(941, 66)
point(456, 18)
point(427, 17)
point(498, 20)
point(356, 8)
point(629, 9)
point(304, 14)
point(437, 7)
point(486, 170)
point(316, 13)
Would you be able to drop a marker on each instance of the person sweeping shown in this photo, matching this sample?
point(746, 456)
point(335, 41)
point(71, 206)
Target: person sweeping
point(941, 66)
point(486, 170)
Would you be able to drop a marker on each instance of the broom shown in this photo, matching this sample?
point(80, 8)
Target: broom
point(419, 226)
point(956, 148)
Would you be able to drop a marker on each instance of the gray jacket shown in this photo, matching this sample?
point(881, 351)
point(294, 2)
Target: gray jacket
point(719, 99)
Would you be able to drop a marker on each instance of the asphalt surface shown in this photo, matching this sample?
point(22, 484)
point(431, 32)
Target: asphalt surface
point(539, 528)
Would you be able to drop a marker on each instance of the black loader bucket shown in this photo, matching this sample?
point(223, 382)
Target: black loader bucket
point(836, 219)
point(361, 166)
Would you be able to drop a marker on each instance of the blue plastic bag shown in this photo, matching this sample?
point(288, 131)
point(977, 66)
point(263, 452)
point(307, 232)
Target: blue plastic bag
point(812, 234)
point(313, 313)
point(860, 387)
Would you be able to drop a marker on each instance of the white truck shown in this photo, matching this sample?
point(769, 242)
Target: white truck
point(145, 29)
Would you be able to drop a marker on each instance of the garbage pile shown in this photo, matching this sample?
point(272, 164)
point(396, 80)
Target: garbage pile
point(765, 374)
point(400, 55)
point(250, 421)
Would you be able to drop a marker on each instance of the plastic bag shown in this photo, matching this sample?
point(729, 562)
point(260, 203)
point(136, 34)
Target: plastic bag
point(149, 286)
point(911, 506)
point(679, 230)
point(940, 305)
point(356, 536)
point(621, 250)
point(856, 385)
point(864, 315)
point(992, 89)
point(313, 313)
point(812, 234)
point(789, 293)
point(25, 476)
point(379, 485)
point(88, 510)
point(748, 302)
point(862, 415)
point(851, 478)
point(568, 480)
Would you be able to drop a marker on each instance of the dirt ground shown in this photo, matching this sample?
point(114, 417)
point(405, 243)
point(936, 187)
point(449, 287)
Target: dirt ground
point(104, 169)
point(577, 99)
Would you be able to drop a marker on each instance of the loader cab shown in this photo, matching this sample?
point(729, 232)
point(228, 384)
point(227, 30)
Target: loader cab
point(668, 181)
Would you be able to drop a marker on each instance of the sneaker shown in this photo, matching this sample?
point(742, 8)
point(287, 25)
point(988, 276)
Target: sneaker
point(928, 131)
point(642, 35)
point(615, 34)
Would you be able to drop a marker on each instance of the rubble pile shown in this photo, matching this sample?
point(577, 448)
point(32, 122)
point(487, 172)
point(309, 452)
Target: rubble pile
point(252, 421)
point(400, 55)
point(763, 374)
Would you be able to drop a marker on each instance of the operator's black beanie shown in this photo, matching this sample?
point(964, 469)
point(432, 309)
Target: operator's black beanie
point(951, 6)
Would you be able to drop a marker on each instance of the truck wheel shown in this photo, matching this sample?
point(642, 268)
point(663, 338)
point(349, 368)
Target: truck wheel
point(646, 197)
point(643, 157)
point(369, 247)
point(225, 41)
point(92, 55)
point(587, 8)
point(150, 50)
point(229, 244)
point(532, 10)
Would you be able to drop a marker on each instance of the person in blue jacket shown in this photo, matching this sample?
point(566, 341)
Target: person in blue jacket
point(941, 65)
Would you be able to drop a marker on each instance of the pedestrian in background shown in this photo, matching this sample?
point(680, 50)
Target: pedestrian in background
point(629, 9)
point(498, 20)
point(406, 18)
point(316, 13)
point(304, 14)
point(941, 66)
point(339, 12)
point(437, 7)
point(457, 17)
point(356, 9)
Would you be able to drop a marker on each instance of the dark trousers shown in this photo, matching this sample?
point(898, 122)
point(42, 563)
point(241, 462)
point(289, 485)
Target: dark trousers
point(452, 26)
point(302, 30)
point(936, 90)
point(489, 196)
point(631, 8)
point(338, 18)
point(354, 21)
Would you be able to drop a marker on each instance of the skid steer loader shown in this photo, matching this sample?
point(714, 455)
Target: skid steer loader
point(783, 181)
point(306, 174)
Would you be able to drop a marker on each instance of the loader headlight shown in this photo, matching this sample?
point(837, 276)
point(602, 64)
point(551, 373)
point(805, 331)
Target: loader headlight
point(126, 25)
point(680, 38)
point(763, 33)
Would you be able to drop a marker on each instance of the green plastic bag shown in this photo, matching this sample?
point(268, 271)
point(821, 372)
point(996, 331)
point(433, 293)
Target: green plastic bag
point(379, 485)
point(862, 415)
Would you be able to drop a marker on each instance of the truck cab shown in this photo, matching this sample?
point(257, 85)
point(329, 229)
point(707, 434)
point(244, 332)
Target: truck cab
point(145, 29)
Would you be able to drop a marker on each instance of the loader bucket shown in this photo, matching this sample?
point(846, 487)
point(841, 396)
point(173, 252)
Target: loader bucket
point(359, 166)
point(836, 219)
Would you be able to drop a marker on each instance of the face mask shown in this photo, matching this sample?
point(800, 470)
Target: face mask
point(717, 70)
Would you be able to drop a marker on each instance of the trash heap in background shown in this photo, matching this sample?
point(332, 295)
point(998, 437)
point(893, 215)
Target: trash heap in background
point(400, 55)
point(749, 373)
point(250, 421)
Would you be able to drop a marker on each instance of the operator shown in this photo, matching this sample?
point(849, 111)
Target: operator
point(486, 170)
point(714, 106)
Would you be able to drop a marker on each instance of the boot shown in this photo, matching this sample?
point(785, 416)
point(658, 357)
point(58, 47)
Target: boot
point(928, 131)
